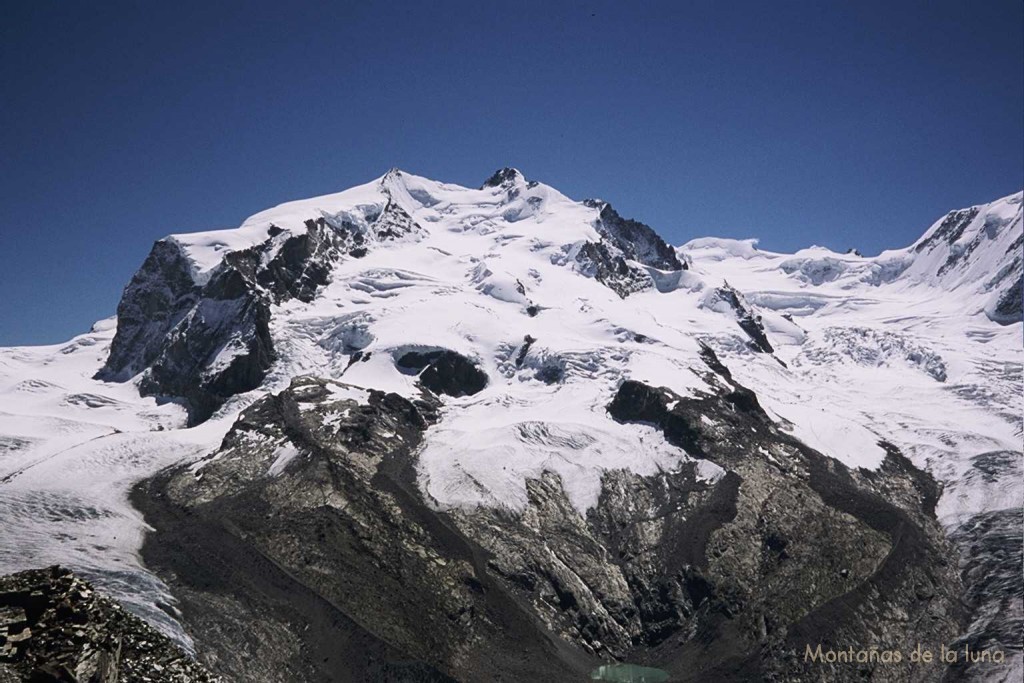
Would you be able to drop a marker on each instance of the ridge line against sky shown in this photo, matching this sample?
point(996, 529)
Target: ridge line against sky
point(798, 123)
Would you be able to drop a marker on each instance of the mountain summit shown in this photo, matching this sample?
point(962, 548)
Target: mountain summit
point(417, 431)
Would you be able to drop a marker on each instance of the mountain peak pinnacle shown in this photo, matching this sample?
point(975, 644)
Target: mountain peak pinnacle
point(504, 176)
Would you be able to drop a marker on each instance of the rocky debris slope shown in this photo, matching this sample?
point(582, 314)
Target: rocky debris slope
point(309, 518)
point(991, 560)
point(55, 627)
point(812, 545)
point(724, 568)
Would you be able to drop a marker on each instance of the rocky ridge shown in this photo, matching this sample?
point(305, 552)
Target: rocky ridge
point(736, 572)
point(203, 340)
point(55, 627)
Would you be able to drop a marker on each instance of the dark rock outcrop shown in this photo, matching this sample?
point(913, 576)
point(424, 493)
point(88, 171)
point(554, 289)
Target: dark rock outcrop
point(624, 243)
point(204, 341)
point(991, 560)
point(951, 229)
point(309, 515)
point(1009, 308)
point(221, 347)
point(352, 576)
point(634, 239)
point(746, 317)
point(602, 263)
point(503, 177)
point(862, 559)
point(156, 299)
point(55, 627)
point(445, 372)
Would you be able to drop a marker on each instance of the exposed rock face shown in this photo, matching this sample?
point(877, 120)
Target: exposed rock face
point(991, 561)
point(951, 230)
point(503, 177)
point(624, 243)
point(747, 318)
point(634, 239)
point(599, 261)
point(309, 516)
point(353, 577)
point(769, 593)
point(1009, 308)
point(221, 347)
point(963, 243)
point(203, 342)
point(156, 299)
point(445, 372)
point(55, 627)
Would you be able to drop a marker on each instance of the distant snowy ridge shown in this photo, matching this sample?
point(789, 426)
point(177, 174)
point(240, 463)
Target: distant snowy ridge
point(976, 254)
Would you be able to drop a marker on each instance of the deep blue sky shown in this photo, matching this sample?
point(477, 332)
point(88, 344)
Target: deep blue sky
point(836, 123)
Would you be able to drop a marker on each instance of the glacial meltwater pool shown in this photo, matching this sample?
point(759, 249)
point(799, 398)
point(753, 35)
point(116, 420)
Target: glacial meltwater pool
point(628, 673)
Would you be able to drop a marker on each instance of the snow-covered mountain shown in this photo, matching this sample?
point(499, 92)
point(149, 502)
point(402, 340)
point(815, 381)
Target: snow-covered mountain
point(475, 433)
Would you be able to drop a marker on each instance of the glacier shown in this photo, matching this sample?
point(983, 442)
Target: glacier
point(558, 302)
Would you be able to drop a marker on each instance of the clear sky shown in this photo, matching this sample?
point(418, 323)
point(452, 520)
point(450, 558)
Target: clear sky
point(834, 123)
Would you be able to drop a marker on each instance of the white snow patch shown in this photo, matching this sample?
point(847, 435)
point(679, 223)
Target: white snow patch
point(283, 456)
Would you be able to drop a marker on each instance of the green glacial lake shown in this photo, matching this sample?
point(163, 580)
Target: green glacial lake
point(628, 673)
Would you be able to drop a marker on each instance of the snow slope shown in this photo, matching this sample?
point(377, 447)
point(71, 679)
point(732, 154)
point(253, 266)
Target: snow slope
point(70, 447)
point(898, 348)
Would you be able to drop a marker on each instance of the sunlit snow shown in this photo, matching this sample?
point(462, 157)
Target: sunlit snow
point(490, 273)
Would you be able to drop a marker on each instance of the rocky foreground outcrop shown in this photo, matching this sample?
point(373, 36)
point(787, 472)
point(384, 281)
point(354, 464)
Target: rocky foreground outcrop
point(302, 549)
point(55, 627)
